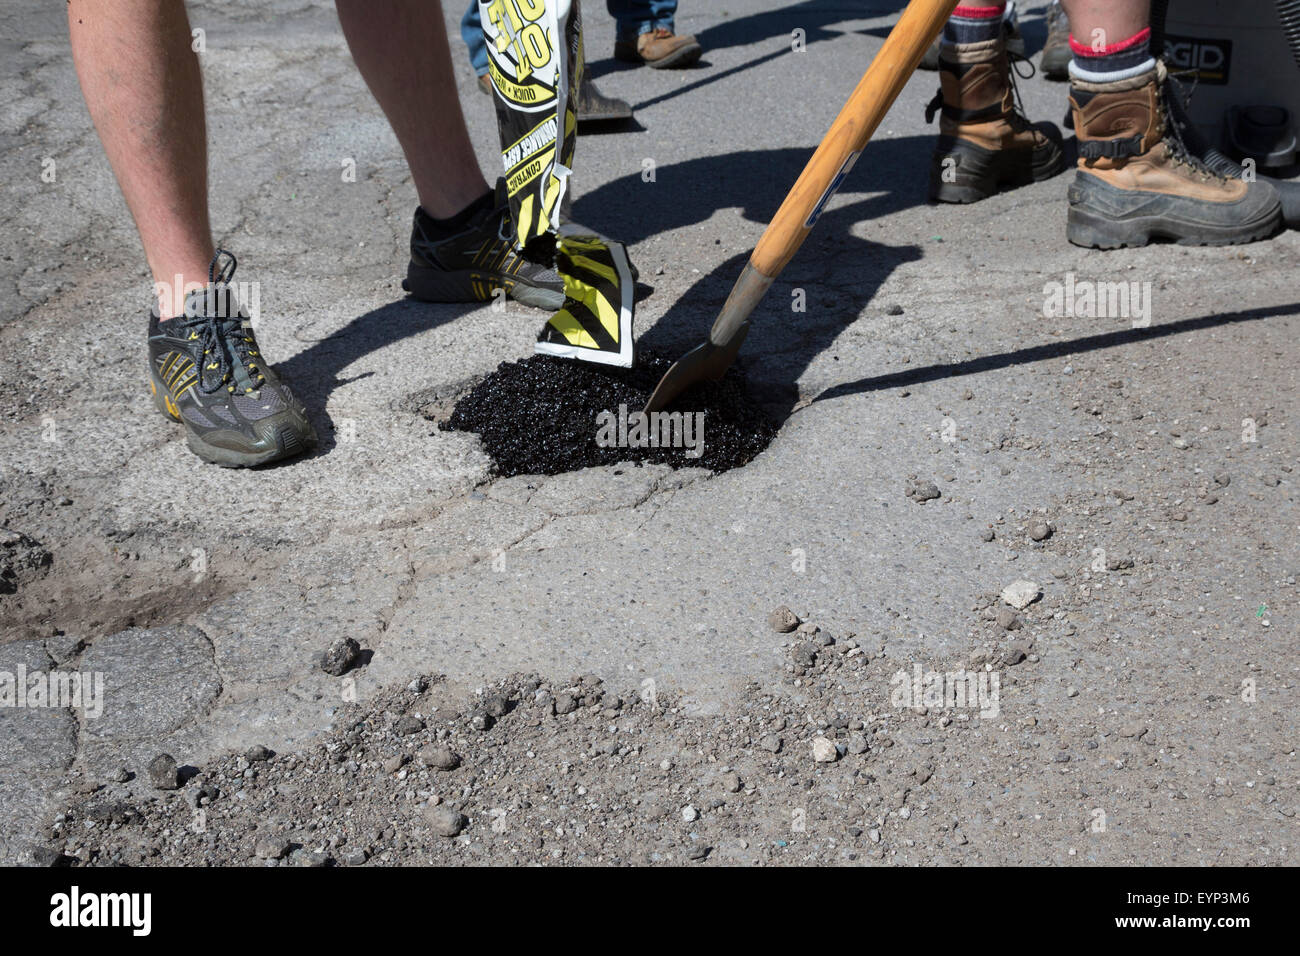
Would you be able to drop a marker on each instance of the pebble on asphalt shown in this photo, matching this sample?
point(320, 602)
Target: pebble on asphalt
point(824, 750)
point(340, 657)
point(1020, 594)
point(438, 757)
point(271, 847)
point(163, 772)
point(921, 491)
point(445, 821)
point(783, 620)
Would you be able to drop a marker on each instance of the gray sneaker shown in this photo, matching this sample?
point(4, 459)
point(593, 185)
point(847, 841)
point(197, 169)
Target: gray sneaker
point(207, 372)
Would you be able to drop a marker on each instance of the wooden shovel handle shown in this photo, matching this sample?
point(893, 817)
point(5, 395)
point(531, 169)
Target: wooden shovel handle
point(875, 93)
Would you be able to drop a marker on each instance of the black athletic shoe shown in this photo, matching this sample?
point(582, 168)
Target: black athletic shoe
point(472, 262)
point(207, 372)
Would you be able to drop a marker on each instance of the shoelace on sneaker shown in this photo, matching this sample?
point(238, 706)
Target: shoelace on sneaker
point(226, 336)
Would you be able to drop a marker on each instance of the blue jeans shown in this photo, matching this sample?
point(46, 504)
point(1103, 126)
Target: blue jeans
point(633, 18)
point(471, 31)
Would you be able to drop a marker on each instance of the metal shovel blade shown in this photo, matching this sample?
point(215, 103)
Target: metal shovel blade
point(705, 362)
point(711, 359)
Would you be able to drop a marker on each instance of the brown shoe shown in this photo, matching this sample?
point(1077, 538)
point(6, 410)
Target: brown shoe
point(661, 49)
point(1137, 180)
point(985, 142)
point(485, 84)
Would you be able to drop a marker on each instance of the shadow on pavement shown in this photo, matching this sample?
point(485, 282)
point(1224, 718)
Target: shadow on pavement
point(754, 181)
point(314, 372)
point(1038, 353)
point(835, 275)
point(814, 17)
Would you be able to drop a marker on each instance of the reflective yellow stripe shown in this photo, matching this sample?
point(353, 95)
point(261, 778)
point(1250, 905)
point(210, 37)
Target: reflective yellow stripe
point(602, 269)
point(525, 218)
point(592, 299)
point(572, 330)
point(181, 369)
point(552, 196)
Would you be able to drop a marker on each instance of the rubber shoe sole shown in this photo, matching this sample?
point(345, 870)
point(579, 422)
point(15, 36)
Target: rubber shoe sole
point(1087, 229)
point(1102, 216)
point(974, 173)
point(440, 285)
point(284, 442)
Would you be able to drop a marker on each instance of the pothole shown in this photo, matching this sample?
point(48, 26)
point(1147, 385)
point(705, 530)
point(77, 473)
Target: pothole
point(546, 416)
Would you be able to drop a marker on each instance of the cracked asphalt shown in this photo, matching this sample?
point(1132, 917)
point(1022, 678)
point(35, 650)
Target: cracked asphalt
point(1163, 458)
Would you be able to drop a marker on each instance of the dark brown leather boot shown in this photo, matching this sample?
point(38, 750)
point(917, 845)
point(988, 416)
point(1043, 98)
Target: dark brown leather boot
point(985, 142)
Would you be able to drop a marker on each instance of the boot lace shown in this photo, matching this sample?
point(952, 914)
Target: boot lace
point(1175, 97)
point(1019, 118)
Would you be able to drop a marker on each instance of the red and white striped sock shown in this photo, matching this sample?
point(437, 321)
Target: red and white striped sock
point(974, 23)
point(1101, 62)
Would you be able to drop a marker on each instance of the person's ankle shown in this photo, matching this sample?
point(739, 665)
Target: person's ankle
point(459, 221)
point(444, 206)
point(172, 290)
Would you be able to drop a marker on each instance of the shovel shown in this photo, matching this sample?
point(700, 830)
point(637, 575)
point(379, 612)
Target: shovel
point(830, 164)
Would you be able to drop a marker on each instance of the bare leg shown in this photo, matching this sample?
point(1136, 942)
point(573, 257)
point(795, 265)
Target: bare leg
point(401, 50)
point(1117, 19)
point(142, 86)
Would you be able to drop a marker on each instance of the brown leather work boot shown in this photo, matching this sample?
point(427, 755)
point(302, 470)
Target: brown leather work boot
point(1137, 180)
point(661, 49)
point(985, 142)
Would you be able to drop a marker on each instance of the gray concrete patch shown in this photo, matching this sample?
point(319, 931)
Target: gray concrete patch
point(155, 682)
point(33, 739)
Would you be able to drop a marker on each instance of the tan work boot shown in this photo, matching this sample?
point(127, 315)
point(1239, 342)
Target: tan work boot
point(661, 49)
point(985, 142)
point(1137, 180)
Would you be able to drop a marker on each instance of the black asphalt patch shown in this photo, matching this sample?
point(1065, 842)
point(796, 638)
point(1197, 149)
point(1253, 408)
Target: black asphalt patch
point(543, 416)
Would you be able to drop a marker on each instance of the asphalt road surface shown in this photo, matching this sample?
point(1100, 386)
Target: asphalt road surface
point(1147, 697)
